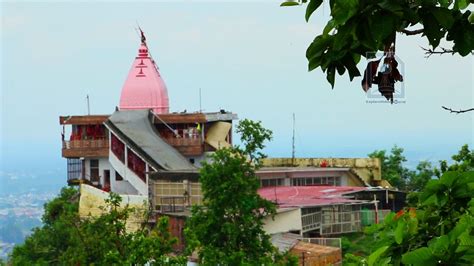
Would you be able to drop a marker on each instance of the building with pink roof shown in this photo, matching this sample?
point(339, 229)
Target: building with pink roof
point(144, 87)
point(143, 149)
point(310, 196)
point(328, 210)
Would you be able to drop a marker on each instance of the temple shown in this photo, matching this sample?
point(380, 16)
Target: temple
point(144, 87)
point(147, 153)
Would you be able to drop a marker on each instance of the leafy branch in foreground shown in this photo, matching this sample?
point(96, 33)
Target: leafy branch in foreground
point(360, 28)
point(457, 111)
point(437, 230)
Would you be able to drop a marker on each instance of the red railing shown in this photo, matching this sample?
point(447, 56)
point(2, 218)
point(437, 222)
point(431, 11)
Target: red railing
point(118, 148)
point(136, 164)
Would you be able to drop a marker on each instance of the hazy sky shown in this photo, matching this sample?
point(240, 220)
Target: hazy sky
point(248, 57)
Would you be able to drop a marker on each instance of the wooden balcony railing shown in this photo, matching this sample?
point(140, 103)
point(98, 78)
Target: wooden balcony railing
point(187, 146)
point(86, 148)
point(87, 143)
point(184, 141)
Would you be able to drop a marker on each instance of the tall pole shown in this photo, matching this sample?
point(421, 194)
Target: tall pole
point(200, 107)
point(293, 141)
point(88, 105)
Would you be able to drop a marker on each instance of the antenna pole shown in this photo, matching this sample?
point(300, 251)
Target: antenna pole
point(88, 105)
point(200, 106)
point(293, 146)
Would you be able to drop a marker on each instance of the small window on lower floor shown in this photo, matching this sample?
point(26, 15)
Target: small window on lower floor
point(75, 169)
point(118, 177)
point(94, 170)
point(271, 182)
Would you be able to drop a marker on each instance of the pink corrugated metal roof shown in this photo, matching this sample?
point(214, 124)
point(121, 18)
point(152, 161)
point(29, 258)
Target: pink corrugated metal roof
point(308, 195)
point(144, 87)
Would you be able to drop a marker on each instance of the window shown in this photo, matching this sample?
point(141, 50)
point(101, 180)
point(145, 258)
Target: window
point(272, 182)
point(118, 177)
point(309, 210)
point(74, 169)
point(94, 168)
point(107, 178)
point(136, 164)
point(118, 148)
point(298, 182)
point(316, 181)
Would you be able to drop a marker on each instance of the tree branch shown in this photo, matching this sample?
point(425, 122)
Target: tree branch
point(430, 52)
point(412, 32)
point(457, 112)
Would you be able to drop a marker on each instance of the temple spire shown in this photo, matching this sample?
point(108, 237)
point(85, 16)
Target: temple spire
point(144, 87)
point(142, 34)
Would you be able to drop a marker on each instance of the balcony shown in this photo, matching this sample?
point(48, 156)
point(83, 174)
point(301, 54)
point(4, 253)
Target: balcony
point(85, 148)
point(187, 146)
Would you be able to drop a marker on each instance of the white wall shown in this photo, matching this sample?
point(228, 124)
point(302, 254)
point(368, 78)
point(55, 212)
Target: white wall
point(199, 159)
point(128, 175)
point(284, 221)
point(121, 186)
point(344, 180)
point(92, 200)
point(103, 165)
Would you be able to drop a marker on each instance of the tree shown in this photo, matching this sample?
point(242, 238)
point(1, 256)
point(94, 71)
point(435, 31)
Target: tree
point(440, 230)
point(398, 175)
point(392, 166)
point(360, 28)
point(437, 230)
point(419, 178)
point(463, 161)
point(228, 228)
point(67, 239)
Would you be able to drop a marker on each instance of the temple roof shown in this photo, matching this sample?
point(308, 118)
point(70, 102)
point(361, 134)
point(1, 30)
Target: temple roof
point(134, 128)
point(144, 87)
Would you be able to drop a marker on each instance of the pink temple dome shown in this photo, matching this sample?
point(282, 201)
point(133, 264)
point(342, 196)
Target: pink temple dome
point(144, 87)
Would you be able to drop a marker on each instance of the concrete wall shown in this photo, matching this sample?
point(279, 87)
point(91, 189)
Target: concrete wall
point(351, 180)
point(368, 169)
point(128, 175)
point(284, 221)
point(123, 187)
point(92, 199)
point(103, 165)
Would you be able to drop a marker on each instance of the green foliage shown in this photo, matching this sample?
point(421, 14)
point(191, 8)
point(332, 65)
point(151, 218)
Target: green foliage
point(227, 228)
point(419, 178)
point(68, 239)
point(400, 176)
point(463, 161)
point(358, 244)
point(253, 137)
point(362, 27)
point(374, 257)
point(392, 166)
point(439, 230)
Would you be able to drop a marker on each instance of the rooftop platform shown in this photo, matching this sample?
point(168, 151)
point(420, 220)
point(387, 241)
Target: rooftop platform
point(83, 119)
point(310, 196)
point(198, 117)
